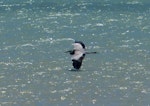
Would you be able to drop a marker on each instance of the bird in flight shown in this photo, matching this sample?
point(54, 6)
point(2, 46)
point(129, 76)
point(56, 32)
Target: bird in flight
point(78, 53)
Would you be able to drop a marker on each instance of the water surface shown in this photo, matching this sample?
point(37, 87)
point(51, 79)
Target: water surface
point(34, 70)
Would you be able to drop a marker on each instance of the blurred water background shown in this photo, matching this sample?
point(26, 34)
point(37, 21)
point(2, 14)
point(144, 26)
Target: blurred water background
point(34, 68)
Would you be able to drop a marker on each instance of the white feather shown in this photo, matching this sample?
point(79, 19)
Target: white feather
point(77, 55)
point(79, 51)
point(78, 47)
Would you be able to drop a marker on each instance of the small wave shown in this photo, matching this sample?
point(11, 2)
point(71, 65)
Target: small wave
point(17, 46)
point(64, 39)
point(63, 14)
point(134, 2)
point(51, 40)
point(28, 44)
point(112, 20)
point(14, 64)
point(25, 45)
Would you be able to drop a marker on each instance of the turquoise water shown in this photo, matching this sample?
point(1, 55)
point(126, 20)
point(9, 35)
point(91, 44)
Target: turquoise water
point(34, 70)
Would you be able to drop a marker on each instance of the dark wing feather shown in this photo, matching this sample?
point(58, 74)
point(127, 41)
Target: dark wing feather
point(76, 64)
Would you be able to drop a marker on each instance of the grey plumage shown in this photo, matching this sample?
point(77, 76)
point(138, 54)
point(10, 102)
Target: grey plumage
point(78, 53)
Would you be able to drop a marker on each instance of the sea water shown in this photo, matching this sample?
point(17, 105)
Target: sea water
point(34, 70)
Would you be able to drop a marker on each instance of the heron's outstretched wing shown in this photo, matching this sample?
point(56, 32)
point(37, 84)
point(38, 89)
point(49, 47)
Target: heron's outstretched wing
point(79, 47)
point(77, 55)
point(77, 63)
point(79, 50)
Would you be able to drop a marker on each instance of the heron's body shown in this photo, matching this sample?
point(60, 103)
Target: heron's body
point(78, 53)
